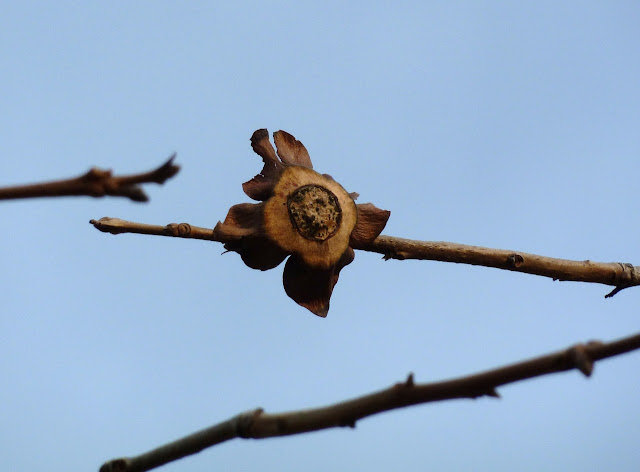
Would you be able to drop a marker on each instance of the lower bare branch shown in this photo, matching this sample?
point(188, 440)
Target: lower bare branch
point(617, 274)
point(95, 183)
point(257, 424)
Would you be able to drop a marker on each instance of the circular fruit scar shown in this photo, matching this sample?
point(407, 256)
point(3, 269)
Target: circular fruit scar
point(315, 212)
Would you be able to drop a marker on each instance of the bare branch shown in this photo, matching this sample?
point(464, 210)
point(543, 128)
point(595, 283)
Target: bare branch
point(617, 274)
point(95, 183)
point(257, 424)
point(182, 230)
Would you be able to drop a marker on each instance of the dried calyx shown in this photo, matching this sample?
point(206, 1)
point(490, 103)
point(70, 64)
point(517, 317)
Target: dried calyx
point(302, 214)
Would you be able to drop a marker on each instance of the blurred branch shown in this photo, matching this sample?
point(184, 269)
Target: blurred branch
point(258, 424)
point(617, 274)
point(95, 183)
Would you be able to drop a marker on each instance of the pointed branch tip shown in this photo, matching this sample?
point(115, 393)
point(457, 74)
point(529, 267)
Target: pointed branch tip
point(167, 170)
point(616, 290)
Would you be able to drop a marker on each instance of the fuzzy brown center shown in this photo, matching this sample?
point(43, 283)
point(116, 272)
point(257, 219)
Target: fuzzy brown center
point(315, 212)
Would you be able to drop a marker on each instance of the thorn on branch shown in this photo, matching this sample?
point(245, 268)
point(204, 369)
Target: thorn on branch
point(409, 382)
point(393, 254)
point(616, 290)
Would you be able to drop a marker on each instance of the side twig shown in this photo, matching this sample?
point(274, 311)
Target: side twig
point(95, 183)
point(258, 424)
point(617, 274)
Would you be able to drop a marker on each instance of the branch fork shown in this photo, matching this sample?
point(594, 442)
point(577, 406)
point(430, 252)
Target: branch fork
point(96, 183)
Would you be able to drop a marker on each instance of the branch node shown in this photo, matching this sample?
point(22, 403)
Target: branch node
point(348, 423)
point(580, 358)
point(182, 230)
point(244, 422)
point(96, 174)
point(627, 266)
point(172, 229)
point(627, 278)
point(515, 260)
point(101, 182)
point(493, 393)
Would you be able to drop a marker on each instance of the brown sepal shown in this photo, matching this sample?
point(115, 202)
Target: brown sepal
point(371, 222)
point(312, 288)
point(261, 186)
point(258, 252)
point(290, 150)
point(262, 146)
point(243, 219)
point(242, 229)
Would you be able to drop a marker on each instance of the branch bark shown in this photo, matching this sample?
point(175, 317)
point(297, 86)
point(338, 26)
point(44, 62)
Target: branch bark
point(617, 274)
point(257, 424)
point(95, 183)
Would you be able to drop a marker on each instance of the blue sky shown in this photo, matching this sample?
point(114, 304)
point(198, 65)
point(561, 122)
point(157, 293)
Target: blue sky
point(511, 126)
